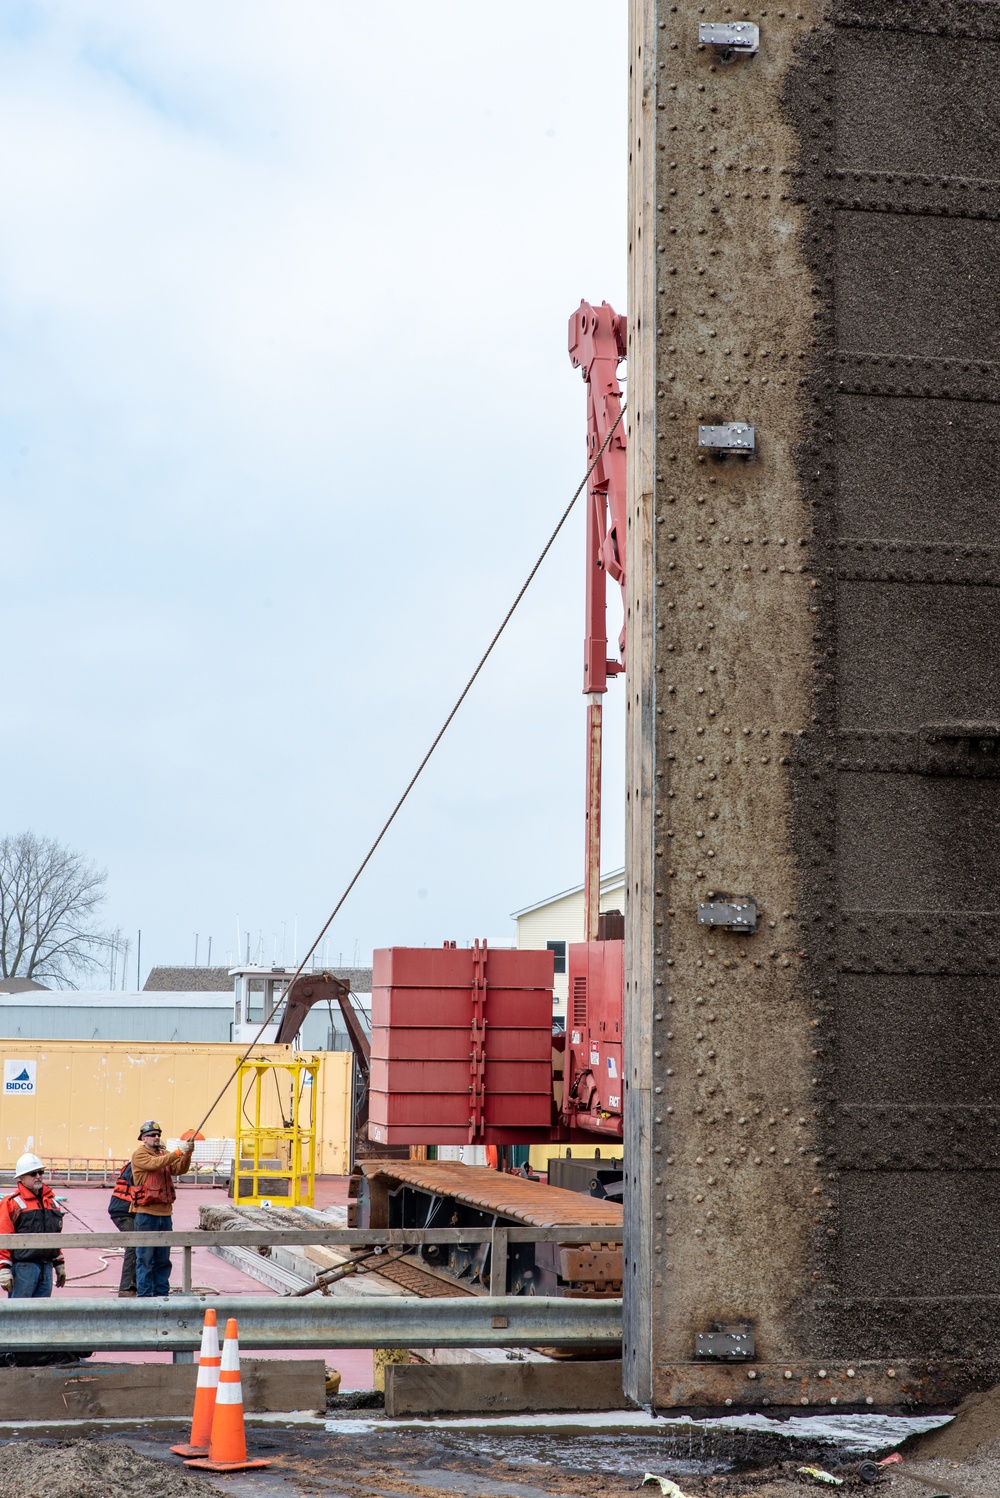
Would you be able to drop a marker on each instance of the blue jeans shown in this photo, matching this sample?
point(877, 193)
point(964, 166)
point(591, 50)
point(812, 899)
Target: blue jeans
point(152, 1265)
point(31, 1281)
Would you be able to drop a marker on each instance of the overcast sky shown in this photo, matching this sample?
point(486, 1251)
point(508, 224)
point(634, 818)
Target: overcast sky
point(287, 415)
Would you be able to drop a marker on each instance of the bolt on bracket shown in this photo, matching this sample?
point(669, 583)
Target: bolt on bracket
point(725, 1344)
point(730, 912)
point(731, 436)
point(730, 36)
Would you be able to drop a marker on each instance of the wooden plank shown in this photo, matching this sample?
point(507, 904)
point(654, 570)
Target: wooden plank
point(498, 1261)
point(115, 1390)
point(489, 1388)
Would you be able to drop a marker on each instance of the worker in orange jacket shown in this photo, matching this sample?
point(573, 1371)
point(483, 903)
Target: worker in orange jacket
point(153, 1197)
point(27, 1273)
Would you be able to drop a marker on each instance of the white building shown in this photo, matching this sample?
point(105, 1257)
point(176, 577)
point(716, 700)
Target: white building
point(554, 923)
point(179, 1014)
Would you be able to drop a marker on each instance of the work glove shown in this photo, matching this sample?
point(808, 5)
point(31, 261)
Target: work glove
point(6, 1278)
point(60, 1276)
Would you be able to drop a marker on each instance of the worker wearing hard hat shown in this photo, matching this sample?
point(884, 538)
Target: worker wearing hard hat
point(27, 1272)
point(153, 1197)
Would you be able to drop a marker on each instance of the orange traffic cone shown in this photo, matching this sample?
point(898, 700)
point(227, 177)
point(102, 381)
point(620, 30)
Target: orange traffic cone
point(227, 1450)
point(204, 1394)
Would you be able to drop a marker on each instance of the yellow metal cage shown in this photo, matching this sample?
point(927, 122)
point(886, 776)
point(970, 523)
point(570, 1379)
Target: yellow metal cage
point(275, 1155)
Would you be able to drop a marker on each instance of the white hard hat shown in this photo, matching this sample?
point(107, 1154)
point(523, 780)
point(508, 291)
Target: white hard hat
point(26, 1164)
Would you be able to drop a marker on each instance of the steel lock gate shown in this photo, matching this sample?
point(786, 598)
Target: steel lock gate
point(813, 1105)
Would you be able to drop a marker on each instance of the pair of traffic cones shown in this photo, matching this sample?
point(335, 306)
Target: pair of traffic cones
point(218, 1437)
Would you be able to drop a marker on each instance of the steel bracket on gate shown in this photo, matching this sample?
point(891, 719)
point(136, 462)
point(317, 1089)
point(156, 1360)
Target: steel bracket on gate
point(725, 1344)
point(730, 912)
point(477, 1053)
point(731, 436)
point(960, 749)
point(730, 36)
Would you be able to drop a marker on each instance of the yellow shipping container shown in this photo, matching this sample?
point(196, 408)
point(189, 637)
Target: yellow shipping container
point(85, 1099)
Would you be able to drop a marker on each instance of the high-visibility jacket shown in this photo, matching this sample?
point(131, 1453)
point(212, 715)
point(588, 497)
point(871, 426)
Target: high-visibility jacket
point(123, 1193)
point(153, 1174)
point(24, 1212)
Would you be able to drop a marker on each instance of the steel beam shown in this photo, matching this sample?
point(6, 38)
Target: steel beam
point(174, 1324)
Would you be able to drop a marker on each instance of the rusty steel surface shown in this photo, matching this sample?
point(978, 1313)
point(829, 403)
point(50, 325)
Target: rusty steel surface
point(829, 1388)
point(510, 1196)
point(404, 1273)
point(813, 696)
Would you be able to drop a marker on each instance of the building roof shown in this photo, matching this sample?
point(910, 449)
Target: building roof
point(204, 980)
point(188, 979)
point(116, 998)
point(20, 985)
point(614, 879)
point(358, 979)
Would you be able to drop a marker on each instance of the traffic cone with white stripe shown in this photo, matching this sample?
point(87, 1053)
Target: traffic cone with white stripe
point(227, 1451)
point(204, 1394)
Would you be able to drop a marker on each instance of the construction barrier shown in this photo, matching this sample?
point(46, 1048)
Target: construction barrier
point(205, 1391)
point(227, 1450)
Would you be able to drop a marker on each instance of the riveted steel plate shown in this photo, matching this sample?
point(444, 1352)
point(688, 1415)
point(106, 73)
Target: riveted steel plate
point(814, 702)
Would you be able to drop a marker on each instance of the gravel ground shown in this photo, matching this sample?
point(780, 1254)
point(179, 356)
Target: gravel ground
point(91, 1469)
point(429, 1463)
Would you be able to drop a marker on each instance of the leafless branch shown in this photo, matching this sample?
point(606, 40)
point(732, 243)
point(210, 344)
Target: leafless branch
point(49, 899)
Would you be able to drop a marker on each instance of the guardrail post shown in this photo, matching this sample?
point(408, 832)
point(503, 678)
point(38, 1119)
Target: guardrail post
point(498, 1261)
point(185, 1357)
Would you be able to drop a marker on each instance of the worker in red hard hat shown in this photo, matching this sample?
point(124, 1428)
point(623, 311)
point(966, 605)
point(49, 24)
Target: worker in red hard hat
point(153, 1197)
point(27, 1273)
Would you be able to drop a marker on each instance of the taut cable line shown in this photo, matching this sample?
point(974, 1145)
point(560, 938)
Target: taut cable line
point(423, 763)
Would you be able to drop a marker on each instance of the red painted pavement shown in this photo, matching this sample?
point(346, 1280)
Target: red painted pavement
point(89, 1275)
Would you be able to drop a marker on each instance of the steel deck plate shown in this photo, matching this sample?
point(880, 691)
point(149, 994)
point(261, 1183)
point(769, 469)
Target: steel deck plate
point(511, 1196)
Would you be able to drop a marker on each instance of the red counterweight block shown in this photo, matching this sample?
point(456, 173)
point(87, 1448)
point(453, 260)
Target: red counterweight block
point(461, 1049)
point(592, 1098)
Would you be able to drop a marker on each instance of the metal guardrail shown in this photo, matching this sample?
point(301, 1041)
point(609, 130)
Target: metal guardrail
point(90, 1170)
point(273, 1322)
point(321, 1237)
point(499, 1238)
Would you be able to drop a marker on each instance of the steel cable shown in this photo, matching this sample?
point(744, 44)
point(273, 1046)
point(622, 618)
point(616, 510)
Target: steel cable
point(423, 763)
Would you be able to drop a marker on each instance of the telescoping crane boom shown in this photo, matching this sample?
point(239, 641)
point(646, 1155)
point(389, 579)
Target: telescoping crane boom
point(592, 1068)
point(597, 344)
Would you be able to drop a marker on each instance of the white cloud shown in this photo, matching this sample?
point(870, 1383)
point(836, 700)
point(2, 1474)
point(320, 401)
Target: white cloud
point(283, 296)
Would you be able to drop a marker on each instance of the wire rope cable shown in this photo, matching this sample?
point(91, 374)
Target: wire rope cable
point(423, 763)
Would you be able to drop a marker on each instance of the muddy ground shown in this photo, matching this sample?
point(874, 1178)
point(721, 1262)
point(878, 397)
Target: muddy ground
point(384, 1463)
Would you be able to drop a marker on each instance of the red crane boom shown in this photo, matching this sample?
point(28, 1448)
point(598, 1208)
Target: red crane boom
point(597, 344)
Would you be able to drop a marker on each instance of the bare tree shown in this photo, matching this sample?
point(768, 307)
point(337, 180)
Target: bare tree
point(49, 898)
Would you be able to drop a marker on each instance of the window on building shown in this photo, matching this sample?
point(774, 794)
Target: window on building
point(558, 950)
